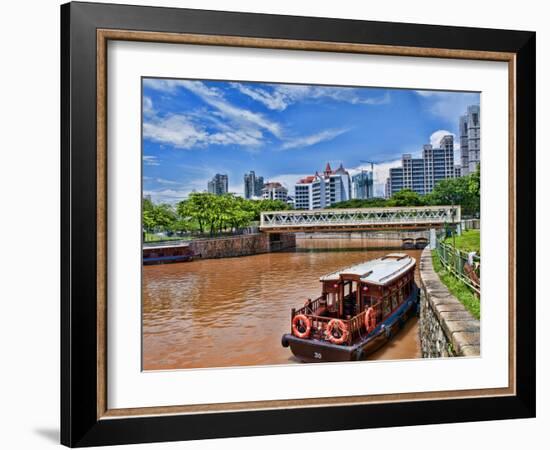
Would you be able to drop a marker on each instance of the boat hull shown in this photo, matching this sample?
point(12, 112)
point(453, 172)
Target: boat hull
point(314, 350)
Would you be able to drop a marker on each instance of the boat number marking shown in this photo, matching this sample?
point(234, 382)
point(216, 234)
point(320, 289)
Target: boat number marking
point(317, 355)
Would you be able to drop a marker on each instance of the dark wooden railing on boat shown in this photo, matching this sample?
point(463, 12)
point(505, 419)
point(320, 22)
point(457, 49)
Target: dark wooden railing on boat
point(355, 325)
point(310, 308)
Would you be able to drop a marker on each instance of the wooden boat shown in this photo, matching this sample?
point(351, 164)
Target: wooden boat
point(167, 254)
point(361, 307)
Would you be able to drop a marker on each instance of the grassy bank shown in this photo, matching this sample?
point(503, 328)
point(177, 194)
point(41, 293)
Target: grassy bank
point(456, 287)
point(468, 241)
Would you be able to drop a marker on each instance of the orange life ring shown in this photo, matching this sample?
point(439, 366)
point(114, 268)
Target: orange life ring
point(295, 323)
point(344, 333)
point(370, 319)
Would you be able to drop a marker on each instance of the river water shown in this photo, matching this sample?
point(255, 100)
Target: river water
point(233, 311)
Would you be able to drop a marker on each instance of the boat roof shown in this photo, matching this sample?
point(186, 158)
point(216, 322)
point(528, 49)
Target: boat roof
point(377, 271)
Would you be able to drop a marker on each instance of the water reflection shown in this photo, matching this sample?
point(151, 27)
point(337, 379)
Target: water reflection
point(233, 311)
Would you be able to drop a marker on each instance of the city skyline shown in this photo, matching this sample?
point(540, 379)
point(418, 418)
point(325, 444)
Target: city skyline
point(193, 130)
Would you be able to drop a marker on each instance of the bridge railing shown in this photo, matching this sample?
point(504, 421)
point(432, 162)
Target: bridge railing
point(363, 216)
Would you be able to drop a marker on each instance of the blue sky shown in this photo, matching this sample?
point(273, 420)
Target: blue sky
point(193, 129)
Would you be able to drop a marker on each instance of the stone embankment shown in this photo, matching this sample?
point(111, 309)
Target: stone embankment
point(226, 247)
point(446, 327)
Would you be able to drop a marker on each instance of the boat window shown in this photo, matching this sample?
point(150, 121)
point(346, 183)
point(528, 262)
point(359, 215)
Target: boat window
point(332, 300)
point(386, 306)
point(394, 301)
point(378, 309)
point(367, 300)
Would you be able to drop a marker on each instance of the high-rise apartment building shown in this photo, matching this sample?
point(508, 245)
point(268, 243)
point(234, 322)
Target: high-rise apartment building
point(422, 174)
point(320, 191)
point(274, 191)
point(438, 163)
point(362, 186)
point(394, 183)
point(469, 126)
point(253, 185)
point(218, 185)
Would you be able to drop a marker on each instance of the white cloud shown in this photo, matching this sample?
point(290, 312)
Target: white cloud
point(279, 97)
point(272, 100)
point(173, 192)
point(449, 105)
point(176, 130)
point(307, 141)
point(147, 106)
point(243, 118)
point(167, 195)
point(222, 123)
point(150, 160)
point(161, 84)
point(163, 181)
point(183, 131)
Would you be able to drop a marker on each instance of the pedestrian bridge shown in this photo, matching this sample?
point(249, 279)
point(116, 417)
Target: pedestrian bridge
point(360, 219)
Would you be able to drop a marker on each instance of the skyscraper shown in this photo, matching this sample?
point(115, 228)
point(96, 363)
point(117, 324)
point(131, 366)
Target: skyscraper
point(394, 183)
point(469, 126)
point(422, 174)
point(414, 173)
point(438, 163)
point(218, 185)
point(362, 185)
point(253, 185)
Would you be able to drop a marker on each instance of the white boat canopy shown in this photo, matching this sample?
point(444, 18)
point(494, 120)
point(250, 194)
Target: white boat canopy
point(379, 271)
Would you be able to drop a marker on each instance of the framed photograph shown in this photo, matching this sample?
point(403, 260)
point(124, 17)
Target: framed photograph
point(276, 224)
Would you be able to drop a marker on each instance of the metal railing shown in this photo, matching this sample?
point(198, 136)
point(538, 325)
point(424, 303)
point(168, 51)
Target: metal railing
point(460, 265)
point(418, 216)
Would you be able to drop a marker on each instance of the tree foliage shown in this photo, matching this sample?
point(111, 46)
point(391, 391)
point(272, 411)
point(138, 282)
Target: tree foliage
point(159, 217)
point(206, 213)
point(361, 203)
point(406, 197)
point(463, 191)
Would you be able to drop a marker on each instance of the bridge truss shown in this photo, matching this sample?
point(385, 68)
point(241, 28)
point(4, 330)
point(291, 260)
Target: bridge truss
point(361, 219)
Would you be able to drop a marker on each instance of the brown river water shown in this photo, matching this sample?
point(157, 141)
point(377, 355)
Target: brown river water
point(233, 311)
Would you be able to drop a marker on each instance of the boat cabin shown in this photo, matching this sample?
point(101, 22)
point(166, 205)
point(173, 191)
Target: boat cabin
point(376, 288)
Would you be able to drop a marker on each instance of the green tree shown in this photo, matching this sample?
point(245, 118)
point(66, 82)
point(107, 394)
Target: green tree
point(196, 208)
point(163, 217)
point(148, 215)
point(360, 203)
point(157, 217)
point(463, 191)
point(406, 197)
